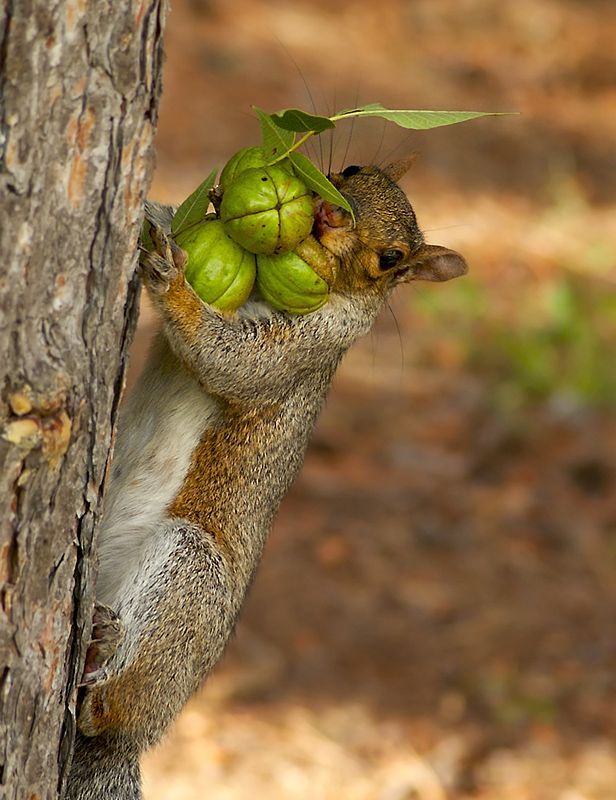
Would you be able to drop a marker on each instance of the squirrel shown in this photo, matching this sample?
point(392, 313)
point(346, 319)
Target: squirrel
point(208, 444)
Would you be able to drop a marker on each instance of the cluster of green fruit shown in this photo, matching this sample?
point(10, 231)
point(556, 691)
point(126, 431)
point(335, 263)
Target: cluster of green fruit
point(264, 214)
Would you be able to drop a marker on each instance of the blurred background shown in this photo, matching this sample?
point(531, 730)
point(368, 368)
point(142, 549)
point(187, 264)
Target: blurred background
point(435, 613)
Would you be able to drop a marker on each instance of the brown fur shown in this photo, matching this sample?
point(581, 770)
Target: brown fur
point(185, 308)
point(216, 470)
point(244, 391)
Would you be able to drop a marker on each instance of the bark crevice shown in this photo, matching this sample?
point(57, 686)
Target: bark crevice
point(76, 130)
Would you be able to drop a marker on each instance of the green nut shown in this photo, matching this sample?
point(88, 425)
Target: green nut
point(246, 158)
point(267, 210)
point(220, 271)
point(288, 283)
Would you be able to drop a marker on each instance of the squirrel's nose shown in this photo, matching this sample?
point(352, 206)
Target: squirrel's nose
point(330, 215)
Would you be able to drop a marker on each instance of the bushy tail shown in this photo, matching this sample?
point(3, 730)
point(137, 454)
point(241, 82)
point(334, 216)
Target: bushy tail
point(104, 768)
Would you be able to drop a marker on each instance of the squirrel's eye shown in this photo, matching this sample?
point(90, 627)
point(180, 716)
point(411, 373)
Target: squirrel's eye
point(352, 169)
point(390, 258)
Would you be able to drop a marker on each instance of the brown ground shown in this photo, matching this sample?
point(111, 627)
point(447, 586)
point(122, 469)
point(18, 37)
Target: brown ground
point(434, 616)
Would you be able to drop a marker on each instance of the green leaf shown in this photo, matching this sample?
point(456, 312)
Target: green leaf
point(194, 208)
point(276, 141)
point(293, 119)
point(145, 239)
point(316, 181)
point(416, 120)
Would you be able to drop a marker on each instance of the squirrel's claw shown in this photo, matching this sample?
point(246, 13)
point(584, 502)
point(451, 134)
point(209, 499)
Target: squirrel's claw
point(107, 634)
point(160, 266)
point(92, 678)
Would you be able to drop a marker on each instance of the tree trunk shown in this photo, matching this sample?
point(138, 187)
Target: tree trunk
point(80, 82)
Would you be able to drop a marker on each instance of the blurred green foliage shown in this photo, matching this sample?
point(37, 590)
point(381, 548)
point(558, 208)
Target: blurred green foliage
point(555, 342)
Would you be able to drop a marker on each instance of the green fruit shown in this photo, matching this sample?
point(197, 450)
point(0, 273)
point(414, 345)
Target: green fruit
point(267, 210)
point(221, 272)
point(288, 283)
point(246, 158)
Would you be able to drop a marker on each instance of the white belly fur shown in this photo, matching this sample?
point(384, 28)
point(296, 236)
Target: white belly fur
point(160, 426)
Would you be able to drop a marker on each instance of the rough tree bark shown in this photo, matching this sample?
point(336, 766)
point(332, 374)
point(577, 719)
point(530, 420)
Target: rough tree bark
point(80, 82)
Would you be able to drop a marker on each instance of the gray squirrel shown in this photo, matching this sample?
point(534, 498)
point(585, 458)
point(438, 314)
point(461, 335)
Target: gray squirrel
point(208, 444)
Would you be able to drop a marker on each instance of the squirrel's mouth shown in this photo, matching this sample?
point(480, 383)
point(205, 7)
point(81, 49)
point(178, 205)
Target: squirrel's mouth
point(332, 226)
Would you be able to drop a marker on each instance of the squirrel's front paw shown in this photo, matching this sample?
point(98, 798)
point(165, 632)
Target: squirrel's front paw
point(107, 634)
point(161, 266)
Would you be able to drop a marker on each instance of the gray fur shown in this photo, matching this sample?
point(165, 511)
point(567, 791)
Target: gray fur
point(218, 426)
point(104, 767)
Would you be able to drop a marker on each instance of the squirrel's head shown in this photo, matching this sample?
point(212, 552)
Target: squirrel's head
point(384, 246)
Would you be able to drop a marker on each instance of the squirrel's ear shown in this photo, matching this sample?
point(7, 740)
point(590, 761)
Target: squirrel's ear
point(435, 263)
point(398, 169)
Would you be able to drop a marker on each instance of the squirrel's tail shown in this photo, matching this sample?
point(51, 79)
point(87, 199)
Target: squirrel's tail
point(103, 768)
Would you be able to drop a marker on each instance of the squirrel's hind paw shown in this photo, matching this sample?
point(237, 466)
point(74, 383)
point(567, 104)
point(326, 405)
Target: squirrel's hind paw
point(107, 634)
